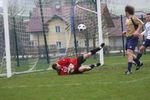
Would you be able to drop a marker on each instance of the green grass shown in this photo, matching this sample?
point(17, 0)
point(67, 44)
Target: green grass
point(102, 83)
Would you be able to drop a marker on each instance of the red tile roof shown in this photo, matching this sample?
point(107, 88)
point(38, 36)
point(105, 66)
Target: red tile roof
point(35, 22)
point(116, 30)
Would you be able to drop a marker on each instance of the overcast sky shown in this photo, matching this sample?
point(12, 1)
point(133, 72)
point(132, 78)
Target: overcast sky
point(117, 6)
point(0, 3)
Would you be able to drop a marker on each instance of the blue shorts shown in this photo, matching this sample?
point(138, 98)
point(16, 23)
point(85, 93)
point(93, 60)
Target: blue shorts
point(131, 42)
point(146, 43)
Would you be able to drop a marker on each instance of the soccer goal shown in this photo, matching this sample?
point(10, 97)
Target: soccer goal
point(36, 33)
point(88, 12)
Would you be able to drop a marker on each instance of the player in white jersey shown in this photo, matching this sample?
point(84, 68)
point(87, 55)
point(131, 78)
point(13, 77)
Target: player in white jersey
point(146, 32)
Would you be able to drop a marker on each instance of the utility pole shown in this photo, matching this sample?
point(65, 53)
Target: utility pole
point(44, 34)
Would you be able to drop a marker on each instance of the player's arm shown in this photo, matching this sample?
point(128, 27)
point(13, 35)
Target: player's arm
point(70, 68)
point(148, 29)
point(124, 32)
point(144, 32)
point(140, 25)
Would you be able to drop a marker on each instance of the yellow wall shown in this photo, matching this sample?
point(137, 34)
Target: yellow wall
point(54, 36)
point(63, 36)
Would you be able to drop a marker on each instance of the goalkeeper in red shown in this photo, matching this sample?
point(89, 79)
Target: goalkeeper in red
point(67, 66)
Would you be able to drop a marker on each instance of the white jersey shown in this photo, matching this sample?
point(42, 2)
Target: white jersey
point(147, 30)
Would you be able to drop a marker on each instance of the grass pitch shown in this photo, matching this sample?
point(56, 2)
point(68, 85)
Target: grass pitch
point(107, 82)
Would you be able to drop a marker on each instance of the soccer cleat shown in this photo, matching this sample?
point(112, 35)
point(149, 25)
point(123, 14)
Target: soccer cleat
point(95, 65)
point(98, 64)
point(102, 45)
point(138, 66)
point(128, 72)
point(97, 49)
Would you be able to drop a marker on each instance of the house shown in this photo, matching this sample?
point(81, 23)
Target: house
point(57, 20)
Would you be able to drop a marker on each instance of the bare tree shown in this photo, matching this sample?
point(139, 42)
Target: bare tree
point(17, 27)
point(14, 9)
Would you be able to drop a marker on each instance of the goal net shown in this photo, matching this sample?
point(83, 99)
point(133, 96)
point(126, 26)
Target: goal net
point(43, 31)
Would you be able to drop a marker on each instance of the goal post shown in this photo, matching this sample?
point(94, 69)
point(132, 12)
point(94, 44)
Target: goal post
point(24, 29)
point(97, 12)
point(100, 30)
point(7, 39)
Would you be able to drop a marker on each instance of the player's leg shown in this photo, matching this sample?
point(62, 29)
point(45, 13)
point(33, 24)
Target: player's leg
point(138, 63)
point(139, 55)
point(87, 67)
point(87, 55)
point(84, 68)
point(145, 44)
point(97, 49)
point(130, 47)
point(82, 59)
point(92, 52)
point(129, 52)
point(130, 60)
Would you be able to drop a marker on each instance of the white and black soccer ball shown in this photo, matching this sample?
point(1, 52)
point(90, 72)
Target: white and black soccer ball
point(81, 27)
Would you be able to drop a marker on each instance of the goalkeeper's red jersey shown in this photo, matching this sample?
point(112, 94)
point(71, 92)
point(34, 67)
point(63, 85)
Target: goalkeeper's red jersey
point(65, 62)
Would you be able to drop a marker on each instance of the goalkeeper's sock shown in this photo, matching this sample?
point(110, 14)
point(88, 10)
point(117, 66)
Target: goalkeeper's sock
point(94, 50)
point(92, 66)
point(95, 65)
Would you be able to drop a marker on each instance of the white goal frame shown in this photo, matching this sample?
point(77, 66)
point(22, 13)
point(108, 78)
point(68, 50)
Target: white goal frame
point(7, 36)
point(100, 32)
point(7, 39)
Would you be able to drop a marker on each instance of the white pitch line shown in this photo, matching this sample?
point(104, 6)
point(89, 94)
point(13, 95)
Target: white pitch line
point(76, 84)
point(125, 62)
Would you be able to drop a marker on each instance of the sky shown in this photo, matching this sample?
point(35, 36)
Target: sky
point(0, 3)
point(117, 6)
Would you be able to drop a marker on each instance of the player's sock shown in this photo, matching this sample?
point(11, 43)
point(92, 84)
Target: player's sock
point(129, 66)
point(97, 49)
point(137, 61)
point(94, 50)
point(95, 65)
point(92, 66)
point(139, 55)
point(98, 64)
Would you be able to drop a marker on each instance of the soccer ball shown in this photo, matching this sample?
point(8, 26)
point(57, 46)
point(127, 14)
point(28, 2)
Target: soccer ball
point(81, 27)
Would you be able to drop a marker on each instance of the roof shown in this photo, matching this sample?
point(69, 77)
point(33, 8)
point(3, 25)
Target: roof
point(116, 30)
point(35, 22)
point(56, 17)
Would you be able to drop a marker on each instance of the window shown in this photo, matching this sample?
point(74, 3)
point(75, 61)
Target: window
point(77, 43)
point(58, 44)
point(57, 28)
point(33, 43)
point(57, 6)
point(31, 36)
point(86, 43)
